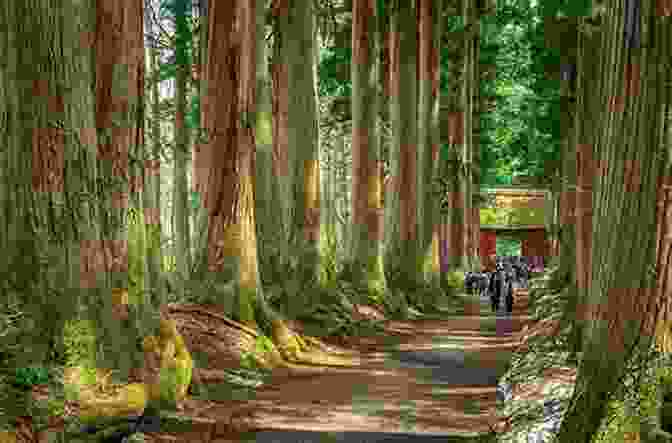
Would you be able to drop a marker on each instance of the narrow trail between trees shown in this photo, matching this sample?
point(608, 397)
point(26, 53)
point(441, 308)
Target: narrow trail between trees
point(421, 381)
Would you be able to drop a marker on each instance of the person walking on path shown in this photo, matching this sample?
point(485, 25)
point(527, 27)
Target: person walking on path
point(509, 296)
point(495, 289)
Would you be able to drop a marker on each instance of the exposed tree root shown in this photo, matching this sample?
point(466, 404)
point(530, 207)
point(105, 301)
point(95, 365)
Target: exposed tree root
point(298, 350)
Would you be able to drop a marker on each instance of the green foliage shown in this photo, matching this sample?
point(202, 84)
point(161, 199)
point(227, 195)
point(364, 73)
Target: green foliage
point(247, 361)
point(635, 410)
point(508, 246)
point(80, 347)
point(262, 345)
point(427, 298)
point(16, 399)
point(329, 256)
point(453, 281)
point(27, 377)
point(521, 136)
point(193, 117)
point(10, 326)
point(522, 133)
point(332, 63)
point(324, 310)
point(494, 216)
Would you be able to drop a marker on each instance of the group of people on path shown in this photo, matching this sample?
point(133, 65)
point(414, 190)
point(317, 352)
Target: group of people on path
point(497, 280)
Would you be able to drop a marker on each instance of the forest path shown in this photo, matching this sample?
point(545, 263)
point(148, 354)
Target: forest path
point(422, 381)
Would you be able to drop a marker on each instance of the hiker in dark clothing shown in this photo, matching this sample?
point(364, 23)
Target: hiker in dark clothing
point(509, 296)
point(470, 281)
point(495, 289)
point(482, 284)
point(475, 282)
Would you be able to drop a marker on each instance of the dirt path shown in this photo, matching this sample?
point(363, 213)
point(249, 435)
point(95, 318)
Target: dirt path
point(424, 376)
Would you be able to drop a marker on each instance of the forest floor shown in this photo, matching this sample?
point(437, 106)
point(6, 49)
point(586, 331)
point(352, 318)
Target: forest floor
point(419, 381)
point(428, 378)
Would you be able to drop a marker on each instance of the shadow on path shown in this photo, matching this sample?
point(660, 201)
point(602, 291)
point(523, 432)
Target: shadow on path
point(352, 437)
point(426, 381)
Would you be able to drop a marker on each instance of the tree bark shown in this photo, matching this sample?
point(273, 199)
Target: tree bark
point(119, 124)
point(401, 228)
point(48, 158)
point(628, 278)
point(296, 147)
point(467, 105)
point(152, 192)
point(267, 198)
point(428, 131)
point(451, 163)
point(225, 161)
point(477, 106)
point(365, 250)
point(181, 229)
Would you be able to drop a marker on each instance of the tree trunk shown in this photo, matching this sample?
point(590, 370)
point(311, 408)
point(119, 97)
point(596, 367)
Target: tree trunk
point(267, 198)
point(467, 105)
point(383, 35)
point(152, 192)
point(181, 229)
point(119, 124)
point(365, 250)
point(48, 158)
point(226, 181)
point(296, 144)
point(451, 163)
point(477, 107)
point(401, 233)
point(582, 175)
point(566, 277)
point(428, 130)
point(625, 296)
point(199, 140)
point(342, 186)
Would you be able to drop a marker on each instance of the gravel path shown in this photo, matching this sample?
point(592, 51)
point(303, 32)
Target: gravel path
point(437, 381)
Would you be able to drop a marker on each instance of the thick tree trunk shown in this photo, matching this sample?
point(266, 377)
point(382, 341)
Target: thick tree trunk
point(296, 145)
point(383, 35)
point(428, 130)
point(48, 158)
point(225, 161)
point(583, 175)
point(435, 227)
point(451, 162)
point(267, 198)
point(566, 278)
point(365, 250)
point(624, 295)
point(456, 215)
point(119, 42)
point(401, 228)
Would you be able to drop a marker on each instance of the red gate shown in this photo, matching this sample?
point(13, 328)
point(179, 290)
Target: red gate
point(488, 245)
point(535, 246)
